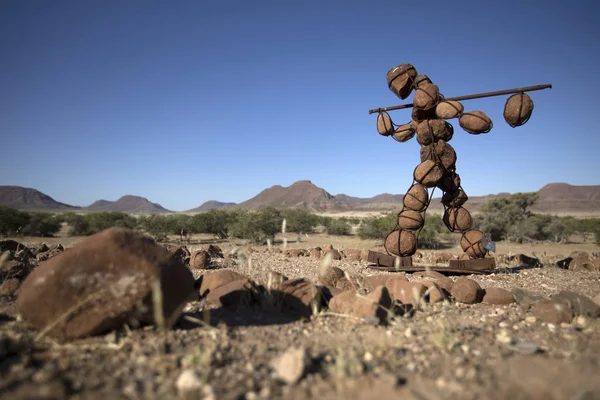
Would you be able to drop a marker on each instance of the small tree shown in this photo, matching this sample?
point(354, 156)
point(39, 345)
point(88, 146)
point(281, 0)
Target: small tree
point(504, 218)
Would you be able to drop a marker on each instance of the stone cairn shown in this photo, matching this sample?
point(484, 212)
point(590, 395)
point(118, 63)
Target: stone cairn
point(430, 112)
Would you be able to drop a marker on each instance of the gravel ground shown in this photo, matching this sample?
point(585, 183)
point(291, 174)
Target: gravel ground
point(444, 350)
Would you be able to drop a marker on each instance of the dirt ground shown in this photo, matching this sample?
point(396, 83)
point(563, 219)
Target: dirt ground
point(443, 350)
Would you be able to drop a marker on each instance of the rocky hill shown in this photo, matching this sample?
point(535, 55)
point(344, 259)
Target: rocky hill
point(553, 198)
point(128, 204)
point(31, 199)
point(301, 194)
point(211, 205)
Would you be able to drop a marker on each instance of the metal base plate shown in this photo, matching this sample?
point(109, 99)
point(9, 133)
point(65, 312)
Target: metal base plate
point(385, 262)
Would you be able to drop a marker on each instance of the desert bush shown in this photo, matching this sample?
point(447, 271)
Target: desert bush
point(155, 225)
point(430, 236)
point(215, 222)
point(256, 226)
point(41, 224)
point(88, 224)
point(12, 221)
point(300, 221)
point(338, 226)
point(377, 227)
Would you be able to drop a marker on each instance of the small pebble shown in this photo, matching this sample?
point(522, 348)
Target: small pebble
point(503, 324)
point(531, 320)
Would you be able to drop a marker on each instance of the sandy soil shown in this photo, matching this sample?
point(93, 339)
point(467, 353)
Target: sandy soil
point(444, 350)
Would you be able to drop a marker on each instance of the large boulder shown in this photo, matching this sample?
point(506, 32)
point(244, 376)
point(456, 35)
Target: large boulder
point(200, 260)
point(300, 297)
point(111, 278)
point(374, 305)
point(466, 291)
point(215, 279)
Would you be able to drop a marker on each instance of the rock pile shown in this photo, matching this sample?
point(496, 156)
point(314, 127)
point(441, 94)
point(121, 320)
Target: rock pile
point(17, 261)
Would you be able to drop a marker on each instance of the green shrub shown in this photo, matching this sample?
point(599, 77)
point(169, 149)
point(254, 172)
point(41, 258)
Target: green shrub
point(41, 224)
point(430, 236)
point(257, 226)
point(215, 222)
point(300, 221)
point(88, 224)
point(12, 221)
point(339, 227)
point(377, 227)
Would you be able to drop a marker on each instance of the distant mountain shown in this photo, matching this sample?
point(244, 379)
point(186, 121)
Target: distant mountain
point(561, 197)
point(301, 194)
point(128, 204)
point(211, 205)
point(30, 199)
point(552, 198)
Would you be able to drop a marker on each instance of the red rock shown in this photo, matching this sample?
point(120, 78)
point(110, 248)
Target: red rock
point(580, 304)
point(433, 293)
point(552, 312)
point(233, 294)
point(364, 255)
point(445, 283)
point(300, 296)
point(499, 296)
point(316, 253)
point(296, 253)
point(102, 282)
point(330, 276)
point(404, 291)
point(180, 253)
point(53, 252)
point(215, 279)
point(581, 263)
point(332, 291)
point(580, 254)
point(352, 254)
point(345, 284)
point(214, 251)
point(372, 282)
point(200, 259)
point(466, 291)
point(374, 305)
point(9, 287)
point(523, 260)
point(335, 255)
point(274, 280)
point(13, 269)
point(527, 299)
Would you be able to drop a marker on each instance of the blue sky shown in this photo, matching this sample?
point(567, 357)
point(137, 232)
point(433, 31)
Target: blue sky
point(187, 101)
